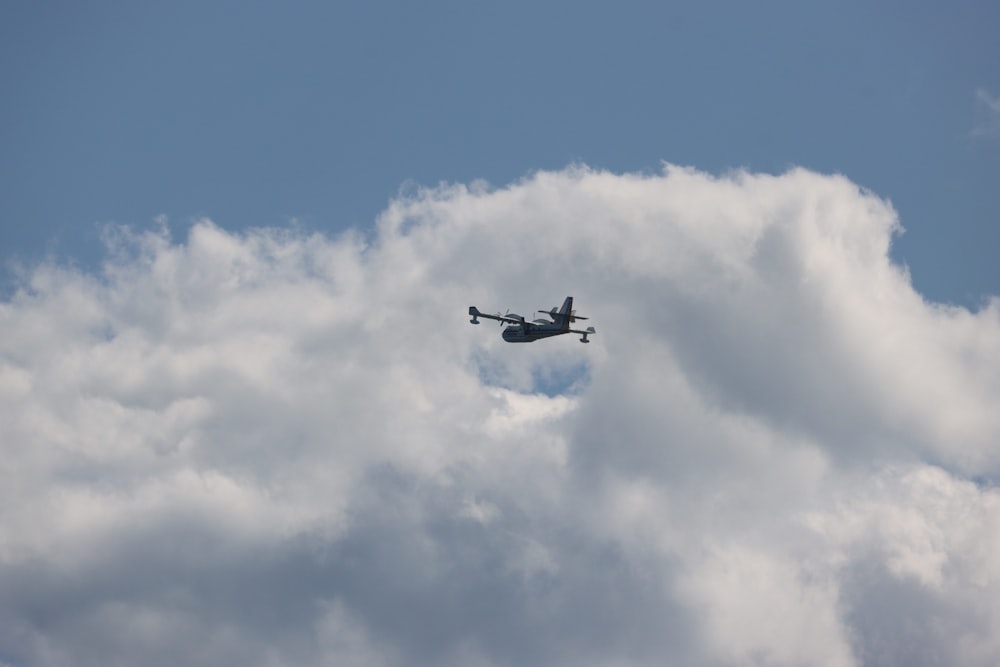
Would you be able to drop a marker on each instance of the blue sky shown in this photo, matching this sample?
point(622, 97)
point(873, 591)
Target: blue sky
point(254, 113)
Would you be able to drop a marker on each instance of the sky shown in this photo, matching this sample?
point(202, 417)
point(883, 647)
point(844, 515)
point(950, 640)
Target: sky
point(245, 419)
point(256, 113)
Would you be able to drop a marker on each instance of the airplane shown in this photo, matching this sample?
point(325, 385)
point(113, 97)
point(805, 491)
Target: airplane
point(521, 331)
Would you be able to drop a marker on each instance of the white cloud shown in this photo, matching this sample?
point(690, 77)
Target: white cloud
point(280, 448)
point(988, 110)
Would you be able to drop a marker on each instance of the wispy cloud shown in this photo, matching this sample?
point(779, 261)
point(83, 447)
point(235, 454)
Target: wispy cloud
point(988, 112)
point(281, 448)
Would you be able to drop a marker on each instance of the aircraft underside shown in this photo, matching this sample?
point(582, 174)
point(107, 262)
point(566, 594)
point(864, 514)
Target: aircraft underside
point(516, 335)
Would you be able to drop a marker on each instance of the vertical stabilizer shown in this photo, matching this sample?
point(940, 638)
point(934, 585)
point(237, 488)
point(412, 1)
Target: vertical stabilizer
point(563, 318)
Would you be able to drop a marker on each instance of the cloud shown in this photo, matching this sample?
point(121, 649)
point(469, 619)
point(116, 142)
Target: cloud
point(277, 447)
point(988, 111)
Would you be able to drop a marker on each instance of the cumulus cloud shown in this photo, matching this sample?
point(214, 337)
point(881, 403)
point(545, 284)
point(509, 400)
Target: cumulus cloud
point(275, 447)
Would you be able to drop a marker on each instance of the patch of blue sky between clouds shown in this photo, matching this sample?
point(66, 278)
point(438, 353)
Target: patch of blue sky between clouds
point(561, 380)
point(552, 377)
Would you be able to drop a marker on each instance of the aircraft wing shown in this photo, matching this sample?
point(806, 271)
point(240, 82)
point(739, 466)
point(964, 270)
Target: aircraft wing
point(500, 318)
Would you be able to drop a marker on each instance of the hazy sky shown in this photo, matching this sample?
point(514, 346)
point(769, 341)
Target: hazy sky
point(244, 418)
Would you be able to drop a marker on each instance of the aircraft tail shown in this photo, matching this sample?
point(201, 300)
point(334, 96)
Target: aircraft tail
point(565, 314)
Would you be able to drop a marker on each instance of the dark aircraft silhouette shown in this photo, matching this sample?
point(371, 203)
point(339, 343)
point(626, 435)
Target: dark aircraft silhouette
point(522, 331)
